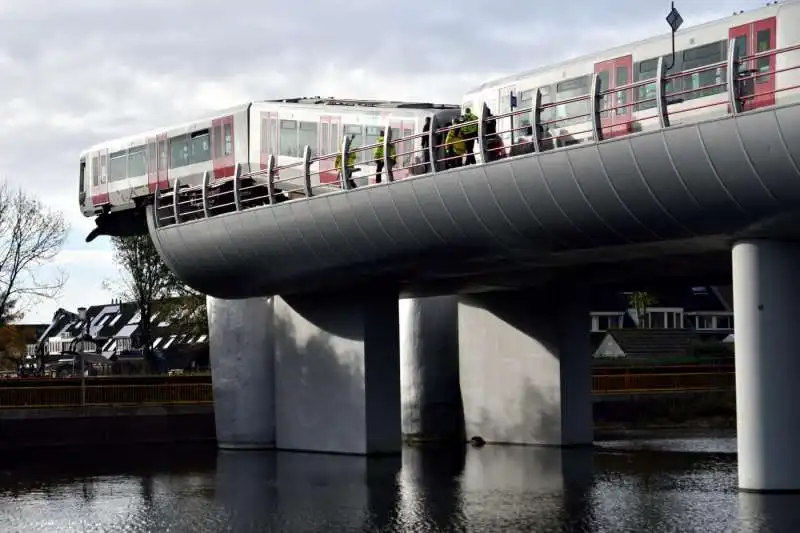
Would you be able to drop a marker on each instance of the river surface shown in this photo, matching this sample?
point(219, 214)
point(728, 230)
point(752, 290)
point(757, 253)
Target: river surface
point(636, 483)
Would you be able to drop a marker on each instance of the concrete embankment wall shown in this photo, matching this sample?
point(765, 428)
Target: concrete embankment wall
point(106, 425)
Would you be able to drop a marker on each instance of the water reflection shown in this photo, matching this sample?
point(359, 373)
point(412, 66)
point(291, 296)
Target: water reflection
point(654, 485)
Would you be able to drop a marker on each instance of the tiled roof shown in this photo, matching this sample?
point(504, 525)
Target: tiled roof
point(644, 342)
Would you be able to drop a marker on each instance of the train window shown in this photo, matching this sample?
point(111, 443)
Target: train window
point(104, 168)
point(288, 144)
point(178, 151)
point(200, 147)
point(228, 139)
point(646, 70)
point(371, 137)
point(82, 178)
point(307, 135)
point(572, 112)
point(95, 172)
point(408, 146)
point(622, 96)
point(703, 83)
point(137, 161)
point(118, 166)
point(325, 139)
point(273, 136)
point(335, 142)
point(525, 101)
point(264, 136)
point(763, 41)
point(217, 142)
point(355, 132)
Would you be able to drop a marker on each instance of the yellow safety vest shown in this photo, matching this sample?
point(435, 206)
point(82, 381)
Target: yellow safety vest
point(379, 150)
point(351, 161)
point(468, 129)
point(458, 145)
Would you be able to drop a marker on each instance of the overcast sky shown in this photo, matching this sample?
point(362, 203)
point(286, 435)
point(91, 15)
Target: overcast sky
point(75, 72)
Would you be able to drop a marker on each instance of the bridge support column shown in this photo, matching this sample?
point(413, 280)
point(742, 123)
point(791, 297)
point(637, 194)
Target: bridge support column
point(242, 371)
point(431, 394)
point(526, 368)
point(766, 300)
point(338, 372)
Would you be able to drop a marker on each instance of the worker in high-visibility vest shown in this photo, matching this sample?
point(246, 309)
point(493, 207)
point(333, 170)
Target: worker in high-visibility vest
point(351, 163)
point(470, 133)
point(456, 148)
point(378, 155)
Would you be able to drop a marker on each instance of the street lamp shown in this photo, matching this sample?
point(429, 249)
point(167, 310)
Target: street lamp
point(85, 336)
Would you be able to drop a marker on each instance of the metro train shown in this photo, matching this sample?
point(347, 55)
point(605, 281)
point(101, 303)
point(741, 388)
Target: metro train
point(118, 177)
point(689, 98)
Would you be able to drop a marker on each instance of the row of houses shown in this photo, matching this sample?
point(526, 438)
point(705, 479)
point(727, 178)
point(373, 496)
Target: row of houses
point(675, 320)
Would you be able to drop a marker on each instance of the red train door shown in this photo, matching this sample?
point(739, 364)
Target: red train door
point(222, 140)
point(329, 144)
point(751, 39)
point(157, 176)
point(615, 73)
point(269, 138)
point(100, 191)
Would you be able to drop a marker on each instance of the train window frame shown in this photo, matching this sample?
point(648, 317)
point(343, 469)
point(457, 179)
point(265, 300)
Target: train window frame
point(118, 161)
point(312, 134)
point(198, 151)
point(137, 161)
point(288, 135)
point(178, 151)
point(702, 83)
point(572, 113)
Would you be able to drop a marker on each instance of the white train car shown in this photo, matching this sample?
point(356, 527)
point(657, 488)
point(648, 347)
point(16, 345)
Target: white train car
point(118, 177)
point(691, 97)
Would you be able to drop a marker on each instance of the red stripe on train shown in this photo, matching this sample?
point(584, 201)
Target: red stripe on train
point(100, 199)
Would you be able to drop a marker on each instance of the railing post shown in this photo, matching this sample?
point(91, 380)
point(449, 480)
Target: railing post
point(156, 204)
point(307, 170)
point(734, 101)
point(432, 143)
point(387, 156)
point(661, 95)
point(345, 168)
point(175, 208)
point(271, 179)
point(482, 133)
point(206, 179)
point(237, 203)
point(594, 107)
point(536, 118)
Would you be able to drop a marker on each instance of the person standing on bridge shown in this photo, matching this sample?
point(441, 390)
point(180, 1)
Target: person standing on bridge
point(470, 132)
point(351, 163)
point(378, 155)
point(455, 147)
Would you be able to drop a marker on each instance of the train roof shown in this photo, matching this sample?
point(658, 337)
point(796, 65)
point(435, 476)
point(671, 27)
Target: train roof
point(383, 104)
point(616, 51)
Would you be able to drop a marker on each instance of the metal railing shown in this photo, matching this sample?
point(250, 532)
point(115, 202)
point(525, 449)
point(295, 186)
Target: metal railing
point(605, 113)
point(106, 395)
point(201, 393)
point(665, 383)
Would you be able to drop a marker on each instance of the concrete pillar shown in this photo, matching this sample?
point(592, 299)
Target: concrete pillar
point(241, 350)
point(525, 367)
point(338, 372)
point(430, 389)
point(766, 301)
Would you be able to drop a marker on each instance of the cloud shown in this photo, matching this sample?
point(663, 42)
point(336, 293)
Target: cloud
point(78, 72)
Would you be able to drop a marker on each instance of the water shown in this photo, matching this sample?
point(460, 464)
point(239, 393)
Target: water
point(647, 484)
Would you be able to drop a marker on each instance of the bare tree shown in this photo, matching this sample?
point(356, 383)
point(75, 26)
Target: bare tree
point(145, 281)
point(31, 235)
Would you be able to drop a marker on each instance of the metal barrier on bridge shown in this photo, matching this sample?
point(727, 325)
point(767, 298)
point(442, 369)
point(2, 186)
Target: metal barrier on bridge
point(201, 393)
point(595, 118)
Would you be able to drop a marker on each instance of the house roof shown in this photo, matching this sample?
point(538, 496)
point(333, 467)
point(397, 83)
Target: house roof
point(644, 342)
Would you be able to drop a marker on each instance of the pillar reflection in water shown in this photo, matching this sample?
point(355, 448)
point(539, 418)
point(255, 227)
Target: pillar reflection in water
point(430, 489)
point(773, 513)
point(246, 489)
point(337, 492)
